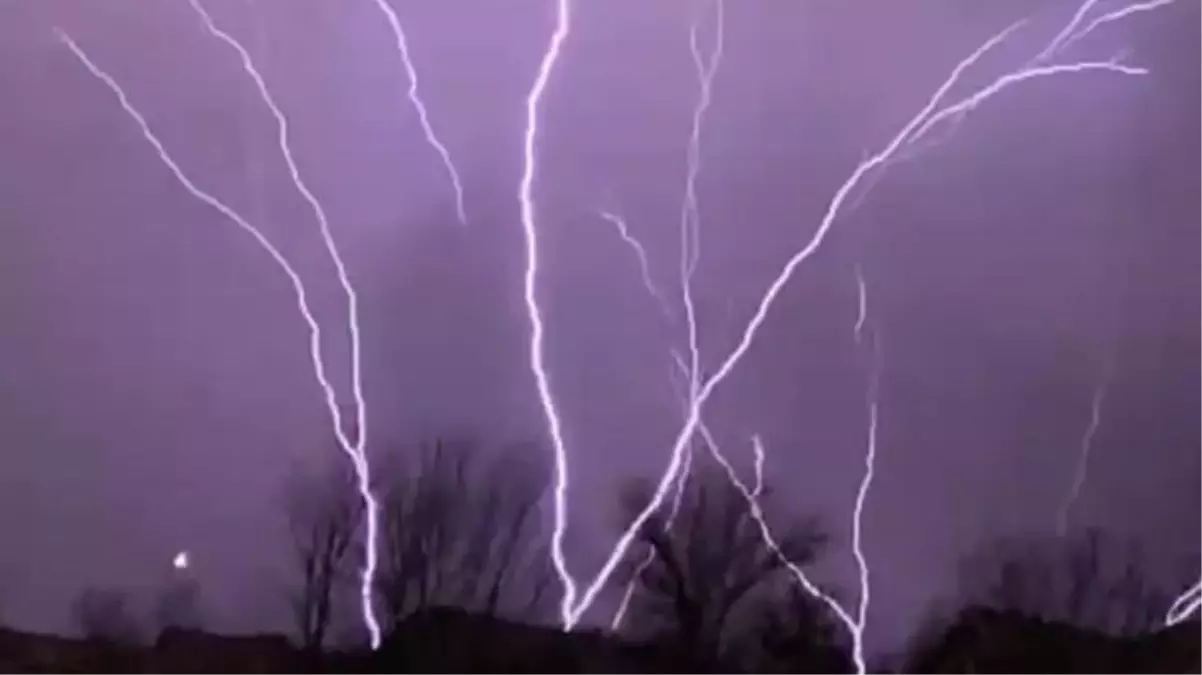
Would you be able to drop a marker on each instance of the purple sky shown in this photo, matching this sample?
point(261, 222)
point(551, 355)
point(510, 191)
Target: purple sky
point(157, 389)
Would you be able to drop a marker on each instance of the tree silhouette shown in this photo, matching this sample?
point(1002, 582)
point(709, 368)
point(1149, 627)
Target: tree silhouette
point(177, 606)
point(797, 634)
point(1089, 579)
point(104, 615)
point(110, 630)
point(323, 516)
point(710, 565)
point(461, 529)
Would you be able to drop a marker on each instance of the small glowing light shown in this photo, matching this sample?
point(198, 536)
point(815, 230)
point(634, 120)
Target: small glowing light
point(180, 561)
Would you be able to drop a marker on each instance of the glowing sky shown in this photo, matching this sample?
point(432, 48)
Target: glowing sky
point(156, 392)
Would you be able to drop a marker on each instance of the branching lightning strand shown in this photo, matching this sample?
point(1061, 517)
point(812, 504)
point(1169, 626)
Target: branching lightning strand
point(207, 198)
point(574, 602)
point(423, 116)
point(750, 495)
point(534, 311)
point(907, 135)
point(1082, 464)
point(690, 214)
point(690, 253)
point(356, 451)
point(1070, 34)
point(679, 376)
point(857, 522)
point(1185, 606)
point(640, 253)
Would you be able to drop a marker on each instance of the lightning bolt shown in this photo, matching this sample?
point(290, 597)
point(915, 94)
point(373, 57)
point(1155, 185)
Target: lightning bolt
point(1080, 474)
point(255, 167)
point(356, 451)
point(751, 495)
point(402, 47)
point(680, 379)
point(690, 214)
point(352, 450)
point(905, 136)
point(690, 254)
point(857, 521)
point(534, 311)
point(576, 601)
point(1070, 34)
point(756, 511)
point(1185, 606)
point(757, 448)
point(632, 586)
point(577, 598)
point(640, 253)
point(855, 624)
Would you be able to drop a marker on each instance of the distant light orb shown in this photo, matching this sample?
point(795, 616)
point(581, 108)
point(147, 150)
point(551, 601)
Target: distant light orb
point(180, 561)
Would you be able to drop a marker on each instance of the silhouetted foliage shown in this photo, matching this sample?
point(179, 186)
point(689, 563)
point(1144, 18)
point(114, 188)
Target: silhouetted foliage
point(460, 528)
point(324, 513)
point(181, 650)
point(177, 606)
point(464, 575)
point(105, 615)
point(798, 634)
point(981, 640)
point(1086, 579)
point(1067, 604)
point(443, 639)
point(701, 578)
point(110, 630)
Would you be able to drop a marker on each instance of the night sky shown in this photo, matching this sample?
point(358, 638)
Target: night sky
point(156, 390)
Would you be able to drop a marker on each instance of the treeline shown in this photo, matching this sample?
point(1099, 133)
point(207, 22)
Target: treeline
point(464, 583)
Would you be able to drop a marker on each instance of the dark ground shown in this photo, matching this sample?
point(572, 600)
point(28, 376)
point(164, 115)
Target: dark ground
point(981, 641)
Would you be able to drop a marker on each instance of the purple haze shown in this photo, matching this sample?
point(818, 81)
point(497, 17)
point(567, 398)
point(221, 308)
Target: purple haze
point(156, 392)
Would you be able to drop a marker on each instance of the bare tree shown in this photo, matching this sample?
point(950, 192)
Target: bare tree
point(462, 529)
point(1088, 580)
point(177, 606)
point(324, 511)
point(710, 564)
point(796, 633)
point(104, 615)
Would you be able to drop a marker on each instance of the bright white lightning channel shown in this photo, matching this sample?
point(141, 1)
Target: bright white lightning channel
point(682, 379)
point(751, 496)
point(690, 254)
point(1185, 606)
point(357, 450)
point(563, 22)
point(690, 214)
point(855, 623)
point(298, 286)
point(423, 116)
point(1080, 473)
point(575, 601)
point(679, 377)
point(1069, 35)
point(857, 521)
point(640, 253)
